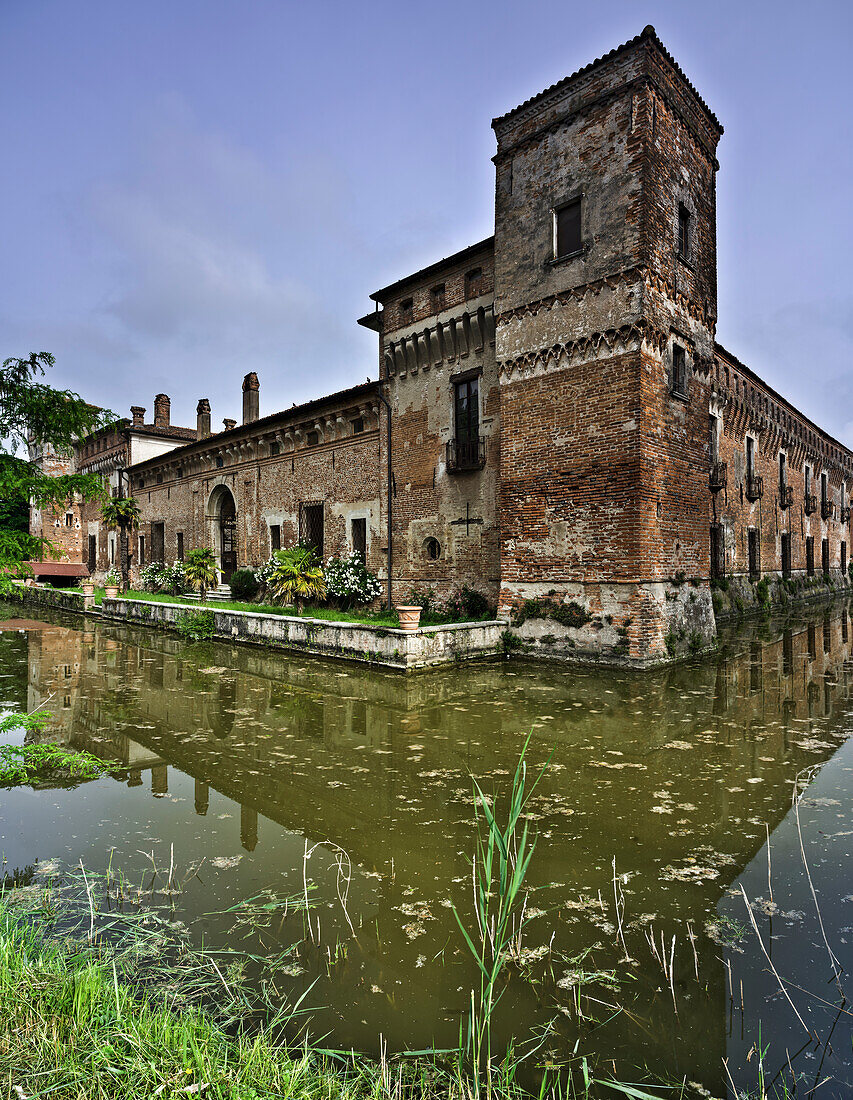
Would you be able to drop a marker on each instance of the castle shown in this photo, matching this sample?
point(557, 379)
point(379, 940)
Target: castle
point(553, 420)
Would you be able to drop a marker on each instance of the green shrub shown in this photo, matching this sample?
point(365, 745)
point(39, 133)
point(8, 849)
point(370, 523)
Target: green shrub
point(198, 626)
point(244, 585)
point(510, 642)
point(570, 614)
point(671, 643)
point(695, 642)
point(762, 592)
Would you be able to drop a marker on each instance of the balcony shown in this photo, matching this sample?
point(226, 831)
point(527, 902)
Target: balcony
point(754, 487)
point(718, 476)
point(786, 496)
point(827, 509)
point(466, 454)
point(809, 503)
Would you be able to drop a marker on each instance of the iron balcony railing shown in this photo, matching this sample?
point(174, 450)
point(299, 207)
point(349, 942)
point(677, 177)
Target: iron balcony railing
point(718, 476)
point(466, 454)
point(809, 503)
point(754, 486)
point(827, 509)
point(786, 496)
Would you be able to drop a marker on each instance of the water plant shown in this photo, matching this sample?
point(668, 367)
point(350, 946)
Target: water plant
point(21, 764)
point(198, 626)
point(499, 867)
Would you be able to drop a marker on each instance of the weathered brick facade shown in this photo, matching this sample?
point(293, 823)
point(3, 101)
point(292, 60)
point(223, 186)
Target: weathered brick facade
point(565, 434)
point(266, 473)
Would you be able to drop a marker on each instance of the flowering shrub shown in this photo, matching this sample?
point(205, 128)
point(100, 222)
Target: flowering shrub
point(349, 581)
point(161, 577)
point(264, 572)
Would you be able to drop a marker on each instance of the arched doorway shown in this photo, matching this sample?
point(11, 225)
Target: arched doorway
point(222, 516)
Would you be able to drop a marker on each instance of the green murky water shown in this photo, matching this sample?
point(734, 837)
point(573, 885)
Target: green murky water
point(236, 759)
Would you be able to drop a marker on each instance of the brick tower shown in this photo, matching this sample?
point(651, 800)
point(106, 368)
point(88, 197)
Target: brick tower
point(605, 307)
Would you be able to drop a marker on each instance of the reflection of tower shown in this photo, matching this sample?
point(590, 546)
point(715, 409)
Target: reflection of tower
point(160, 780)
point(248, 828)
point(54, 657)
point(202, 797)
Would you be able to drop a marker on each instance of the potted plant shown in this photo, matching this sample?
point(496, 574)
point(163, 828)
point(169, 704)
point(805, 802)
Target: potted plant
point(111, 583)
point(410, 617)
point(88, 587)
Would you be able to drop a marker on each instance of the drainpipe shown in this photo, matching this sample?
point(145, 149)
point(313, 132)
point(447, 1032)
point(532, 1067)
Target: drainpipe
point(385, 402)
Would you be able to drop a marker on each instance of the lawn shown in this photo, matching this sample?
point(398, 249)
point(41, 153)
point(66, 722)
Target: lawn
point(331, 614)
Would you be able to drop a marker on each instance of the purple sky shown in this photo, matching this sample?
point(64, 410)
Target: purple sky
point(193, 189)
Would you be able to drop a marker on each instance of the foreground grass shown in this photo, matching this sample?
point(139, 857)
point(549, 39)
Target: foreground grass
point(70, 1028)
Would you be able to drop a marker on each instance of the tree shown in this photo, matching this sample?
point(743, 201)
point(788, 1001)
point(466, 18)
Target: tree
point(123, 513)
point(34, 414)
point(297, 576)
point(200, 570)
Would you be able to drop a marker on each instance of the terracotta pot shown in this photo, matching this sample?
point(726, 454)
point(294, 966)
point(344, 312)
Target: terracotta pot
point(410, 617)
point(111, 591)
point(88, 588)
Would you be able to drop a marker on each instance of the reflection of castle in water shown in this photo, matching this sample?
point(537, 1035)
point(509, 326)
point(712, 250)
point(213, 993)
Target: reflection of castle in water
point(380, 764)
point(142, 699)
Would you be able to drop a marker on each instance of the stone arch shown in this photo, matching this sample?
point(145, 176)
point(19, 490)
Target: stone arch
point(221, 517)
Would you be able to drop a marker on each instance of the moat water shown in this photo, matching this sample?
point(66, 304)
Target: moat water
point(236, 759)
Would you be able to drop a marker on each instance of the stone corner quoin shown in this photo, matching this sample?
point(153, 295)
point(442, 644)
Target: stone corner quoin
point(565, 433)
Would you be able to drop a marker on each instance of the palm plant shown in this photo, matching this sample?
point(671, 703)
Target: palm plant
point(297, 576)
point(123, 513)
point(200, 569)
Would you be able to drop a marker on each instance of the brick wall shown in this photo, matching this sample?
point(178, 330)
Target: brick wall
point(445, 523)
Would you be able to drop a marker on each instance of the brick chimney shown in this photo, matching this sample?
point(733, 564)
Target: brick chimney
point(162, 407)
point(138, 414)
point(202, 413)
point(251, 398)
point(229, 424)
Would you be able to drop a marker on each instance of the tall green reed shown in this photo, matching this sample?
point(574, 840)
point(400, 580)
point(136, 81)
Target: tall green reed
point(503, 854)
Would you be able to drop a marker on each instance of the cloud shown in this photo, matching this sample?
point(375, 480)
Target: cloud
point(217, 263)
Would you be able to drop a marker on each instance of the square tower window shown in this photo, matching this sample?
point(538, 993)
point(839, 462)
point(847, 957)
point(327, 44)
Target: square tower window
point(407, 309)
point(438, 297)
point(683, 232)
point(358, 425)
point(567, 229)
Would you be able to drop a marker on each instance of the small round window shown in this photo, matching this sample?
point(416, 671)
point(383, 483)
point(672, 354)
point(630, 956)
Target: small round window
point(432, 549)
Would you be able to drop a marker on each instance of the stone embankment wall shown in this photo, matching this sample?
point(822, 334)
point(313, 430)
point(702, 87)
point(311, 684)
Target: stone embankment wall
point(390, 647)
point(737, 596)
